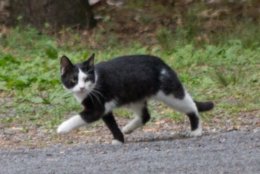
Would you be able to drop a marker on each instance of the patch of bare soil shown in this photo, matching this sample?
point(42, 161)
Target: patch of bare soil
point(33, 137)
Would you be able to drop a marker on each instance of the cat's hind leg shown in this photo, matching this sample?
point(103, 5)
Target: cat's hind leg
point(185, 105)
point(142, 116)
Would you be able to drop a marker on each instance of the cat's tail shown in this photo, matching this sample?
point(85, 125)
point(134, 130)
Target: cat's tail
point(204, 106)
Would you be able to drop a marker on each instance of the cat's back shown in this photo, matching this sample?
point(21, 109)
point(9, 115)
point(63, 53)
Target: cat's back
point(131, 78)
point(132, 62)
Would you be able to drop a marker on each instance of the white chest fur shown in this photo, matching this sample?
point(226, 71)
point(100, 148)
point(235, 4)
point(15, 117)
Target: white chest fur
point(80, 96)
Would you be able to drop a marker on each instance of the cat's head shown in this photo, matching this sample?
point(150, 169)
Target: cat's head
point(78, 78)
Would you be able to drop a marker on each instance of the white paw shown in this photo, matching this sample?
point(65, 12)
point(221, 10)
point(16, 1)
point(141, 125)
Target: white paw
point(63, 128)
point(70, 124)
point(116, 142)
point(195, 133)
point(134, 124)
point(127, 130)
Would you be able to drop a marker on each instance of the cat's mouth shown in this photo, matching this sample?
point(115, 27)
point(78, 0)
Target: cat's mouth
point(83, 90)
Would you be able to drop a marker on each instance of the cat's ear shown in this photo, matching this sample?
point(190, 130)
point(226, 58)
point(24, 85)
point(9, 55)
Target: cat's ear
point(90, 61)
point(65, 64)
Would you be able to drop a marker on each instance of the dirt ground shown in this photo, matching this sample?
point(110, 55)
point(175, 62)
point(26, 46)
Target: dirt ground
point(37, 137)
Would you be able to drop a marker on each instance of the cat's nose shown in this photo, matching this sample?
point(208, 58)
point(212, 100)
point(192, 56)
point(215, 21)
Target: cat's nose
point(81, 88)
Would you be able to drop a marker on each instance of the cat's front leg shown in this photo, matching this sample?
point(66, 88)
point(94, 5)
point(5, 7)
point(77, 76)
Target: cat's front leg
point(70, 124)
point(113, 127)
point(84, 118)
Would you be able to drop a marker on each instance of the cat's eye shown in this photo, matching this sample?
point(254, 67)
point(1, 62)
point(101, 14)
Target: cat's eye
point(73, 80)
point(86, 79)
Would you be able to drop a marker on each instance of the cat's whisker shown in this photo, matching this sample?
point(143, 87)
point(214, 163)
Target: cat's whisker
point(98, 92)
point(96, 96)
point(91, 98)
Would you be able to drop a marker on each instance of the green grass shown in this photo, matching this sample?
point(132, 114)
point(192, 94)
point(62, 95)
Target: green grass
point(227, 73)
point(222, 66)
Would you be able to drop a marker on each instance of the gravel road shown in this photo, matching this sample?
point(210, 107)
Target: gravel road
point(231, 152)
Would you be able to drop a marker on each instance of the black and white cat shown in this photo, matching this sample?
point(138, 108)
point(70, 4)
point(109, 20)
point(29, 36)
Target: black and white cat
point(128, 81)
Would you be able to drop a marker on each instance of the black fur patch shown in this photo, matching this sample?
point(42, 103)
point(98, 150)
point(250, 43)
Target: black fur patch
point(204, 106)
point(194, 121)
point(132, 78)
point(145, 115)
point(70, 77)
point(113, 127)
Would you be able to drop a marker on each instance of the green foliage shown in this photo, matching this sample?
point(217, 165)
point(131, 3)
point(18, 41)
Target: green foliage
point(29, 63)
point(165, 38)
point(51, 52)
